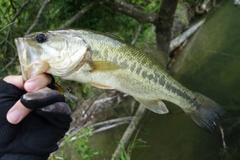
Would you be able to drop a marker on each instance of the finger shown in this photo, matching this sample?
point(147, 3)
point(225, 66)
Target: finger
point(37, 82)
point(15, 80)
point(41, 98)
point(17, 113)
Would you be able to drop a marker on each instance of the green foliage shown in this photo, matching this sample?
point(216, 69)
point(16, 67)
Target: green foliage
point(78, 145)
point(1, 56)
point(147, 38)
point(87, 90)
point(152, 6)
point(6, 12)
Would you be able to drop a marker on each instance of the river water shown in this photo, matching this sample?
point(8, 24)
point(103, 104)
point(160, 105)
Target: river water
point(210, 64)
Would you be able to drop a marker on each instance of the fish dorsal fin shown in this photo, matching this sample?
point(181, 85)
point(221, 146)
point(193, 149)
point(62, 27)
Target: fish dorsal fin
point(113, 35)
point(156, 106)
point(101, 66)
point(160, 56)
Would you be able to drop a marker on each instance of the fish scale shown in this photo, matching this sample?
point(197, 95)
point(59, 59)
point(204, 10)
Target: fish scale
point(153, 76)
point(107, 62)
point(122, 61)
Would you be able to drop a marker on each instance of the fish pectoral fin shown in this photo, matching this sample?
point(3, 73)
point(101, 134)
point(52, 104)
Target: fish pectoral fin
point(156, 106)
point(101, 66)
point(101, 86)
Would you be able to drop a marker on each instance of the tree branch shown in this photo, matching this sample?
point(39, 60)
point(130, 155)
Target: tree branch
point(10, 63)
point(117, 5)
point(12, 5)
point(176, 42)
point(137, 34)
point(13, 19)
point(20, 10)
point(131, 11)
point(79, 14)
point(38, 16)
point(129, 131)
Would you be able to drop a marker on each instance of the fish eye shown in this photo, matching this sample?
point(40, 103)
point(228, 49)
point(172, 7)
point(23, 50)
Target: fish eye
point(41, 38)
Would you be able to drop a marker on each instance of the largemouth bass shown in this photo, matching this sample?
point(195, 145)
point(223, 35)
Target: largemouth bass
point(107, 62)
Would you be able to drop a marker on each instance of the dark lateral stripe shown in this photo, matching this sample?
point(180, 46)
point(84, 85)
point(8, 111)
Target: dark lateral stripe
point(124, 63)
point(177, 91)
point(132, 67)
point(138, 70)
point(156, 78)
point(182, 94)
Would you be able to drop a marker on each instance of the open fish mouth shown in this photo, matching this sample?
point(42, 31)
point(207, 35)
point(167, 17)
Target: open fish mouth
point(30, 62)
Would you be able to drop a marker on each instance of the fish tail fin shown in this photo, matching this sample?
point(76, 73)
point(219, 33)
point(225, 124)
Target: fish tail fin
point(204, 112)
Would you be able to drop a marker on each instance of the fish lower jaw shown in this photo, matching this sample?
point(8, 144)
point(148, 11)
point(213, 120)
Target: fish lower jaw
point(33, 70)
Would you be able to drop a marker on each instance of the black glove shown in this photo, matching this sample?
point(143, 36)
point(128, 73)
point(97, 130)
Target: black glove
point(36, 136)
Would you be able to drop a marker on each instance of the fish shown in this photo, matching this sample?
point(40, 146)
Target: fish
point(107, 62)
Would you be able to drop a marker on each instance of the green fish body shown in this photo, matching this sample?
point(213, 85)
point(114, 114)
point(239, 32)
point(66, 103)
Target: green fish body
point(107, 62)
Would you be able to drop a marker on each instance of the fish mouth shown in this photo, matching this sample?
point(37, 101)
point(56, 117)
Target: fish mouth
point(29, 59)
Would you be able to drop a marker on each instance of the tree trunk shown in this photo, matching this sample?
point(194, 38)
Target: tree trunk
point(164, 24)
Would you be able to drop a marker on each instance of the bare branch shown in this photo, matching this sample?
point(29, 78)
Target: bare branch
point(12, 5)
point(117, 5)
point(131, 11)
point(111, 121)
point(79, 14)
point(103, 126)
point(13, 19)
point(184, 36)
point(10, 63)
point(129, 131)
point(20, 10)
point(8, 25)
point(223, 137)
point(38, 16)
point(137, 34)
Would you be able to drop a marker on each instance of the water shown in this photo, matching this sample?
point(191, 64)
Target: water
point(209, 65)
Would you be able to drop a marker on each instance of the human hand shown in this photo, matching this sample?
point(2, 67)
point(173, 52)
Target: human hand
point(19, 111)
point(36, 136)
